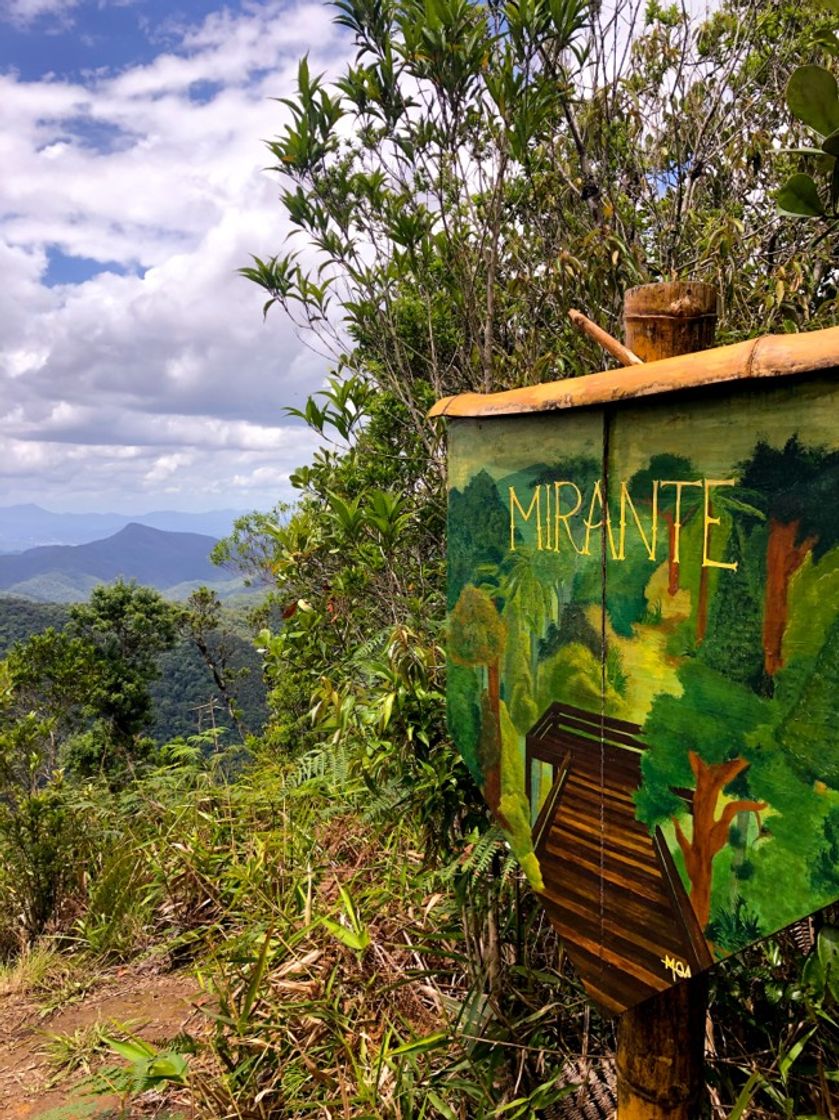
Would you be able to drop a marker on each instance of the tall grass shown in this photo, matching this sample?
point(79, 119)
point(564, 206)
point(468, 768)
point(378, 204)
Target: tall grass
point(346, 974)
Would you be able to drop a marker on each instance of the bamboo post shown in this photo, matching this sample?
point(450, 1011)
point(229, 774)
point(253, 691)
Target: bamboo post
point(661, 1043)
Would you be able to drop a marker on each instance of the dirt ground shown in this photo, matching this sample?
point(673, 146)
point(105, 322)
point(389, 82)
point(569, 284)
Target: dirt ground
point(157, 1005)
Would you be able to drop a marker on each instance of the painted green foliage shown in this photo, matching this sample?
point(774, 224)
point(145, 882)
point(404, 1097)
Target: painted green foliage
point(705, 613)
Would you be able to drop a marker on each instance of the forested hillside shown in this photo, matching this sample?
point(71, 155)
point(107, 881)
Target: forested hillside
point(168, 561)
point(361, 940)
point(21, 618)
point(186, 698)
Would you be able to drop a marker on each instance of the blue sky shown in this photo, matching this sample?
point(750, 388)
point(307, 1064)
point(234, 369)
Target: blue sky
point(136, 370)
point(73, 41)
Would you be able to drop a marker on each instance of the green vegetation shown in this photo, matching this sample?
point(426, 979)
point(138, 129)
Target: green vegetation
point(813, 99)
point(20, 619)
point(368, 944)
point(185, 694)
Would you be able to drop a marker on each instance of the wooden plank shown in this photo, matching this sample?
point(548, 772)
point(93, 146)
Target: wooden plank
point(640, 923)
point(682, 904)
point(547, 811)
point(588, 829)
point(587, 753)
point(645, 885)
point(599, 732)
point(590, 942)
point(612, 988)
point(616, 799)
point(611, 722)
point(630, 945)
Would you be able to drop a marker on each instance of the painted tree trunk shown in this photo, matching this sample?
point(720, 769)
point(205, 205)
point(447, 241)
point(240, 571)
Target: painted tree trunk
point(494, 690)
point(492, 774)
point(492, 788)
point(672, 563)
point(709, 832)
point(702, 605)
point(783, 559)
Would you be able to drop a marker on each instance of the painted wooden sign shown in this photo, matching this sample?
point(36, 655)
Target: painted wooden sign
point(643, 637)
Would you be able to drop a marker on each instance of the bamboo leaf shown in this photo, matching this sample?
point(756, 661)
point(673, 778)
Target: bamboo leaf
point(256, 978)
point(421, 1045)
point(788, 1059)
point(745, 1098)
point(437, 1102)
point(356, 941)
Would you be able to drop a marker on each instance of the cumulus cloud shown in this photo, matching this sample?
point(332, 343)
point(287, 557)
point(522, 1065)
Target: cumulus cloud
point(152, 374)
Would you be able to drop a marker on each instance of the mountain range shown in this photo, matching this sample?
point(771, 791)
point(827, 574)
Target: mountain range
point(29, 526)
point(173, 563)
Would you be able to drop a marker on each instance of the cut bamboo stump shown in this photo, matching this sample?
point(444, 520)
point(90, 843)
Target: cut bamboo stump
point(661, 1043)
point(665, 320)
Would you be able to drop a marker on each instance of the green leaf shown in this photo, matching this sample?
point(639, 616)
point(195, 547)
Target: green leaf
point(744, 507)
point(791, 1056)
point(134, 1051)
point(830, 144)
point(827, 949)
point(813, 974)
point(256, 978)
point(828, 946)
point(421, 1045)
point(356, 941)
point(437, 1102)
point(813, 97)
point(169, 1067)
point(799, 197)
point(745, 1097)
point(827, 40)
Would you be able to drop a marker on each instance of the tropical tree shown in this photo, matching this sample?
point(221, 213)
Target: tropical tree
point(676, 504)
point(477, 636)
point(202, 623)
point(531, 584)
point(795, 488)
point(127, 627)
point(809, 732)
point(692, 747)
point(53, 675)
point(478, 533)
point(479, 169)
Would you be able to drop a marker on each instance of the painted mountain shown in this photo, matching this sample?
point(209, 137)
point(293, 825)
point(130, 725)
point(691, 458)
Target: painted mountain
point(64, 573)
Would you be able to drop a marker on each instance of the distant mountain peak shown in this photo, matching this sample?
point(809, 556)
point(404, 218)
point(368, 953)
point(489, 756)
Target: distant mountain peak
point(148, 555)
point(29, 525)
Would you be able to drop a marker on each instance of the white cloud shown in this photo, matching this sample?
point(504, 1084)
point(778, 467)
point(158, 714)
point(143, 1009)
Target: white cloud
point(23, 12)
point(158, 375)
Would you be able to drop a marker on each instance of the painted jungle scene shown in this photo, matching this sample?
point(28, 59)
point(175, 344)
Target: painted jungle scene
point(644, 661)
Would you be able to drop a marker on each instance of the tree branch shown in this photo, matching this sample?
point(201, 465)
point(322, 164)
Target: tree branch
point(719, 832)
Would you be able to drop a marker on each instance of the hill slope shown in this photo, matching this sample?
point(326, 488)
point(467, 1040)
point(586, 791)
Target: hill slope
point(150, 556)
point(30, 526)
point(185, 684)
